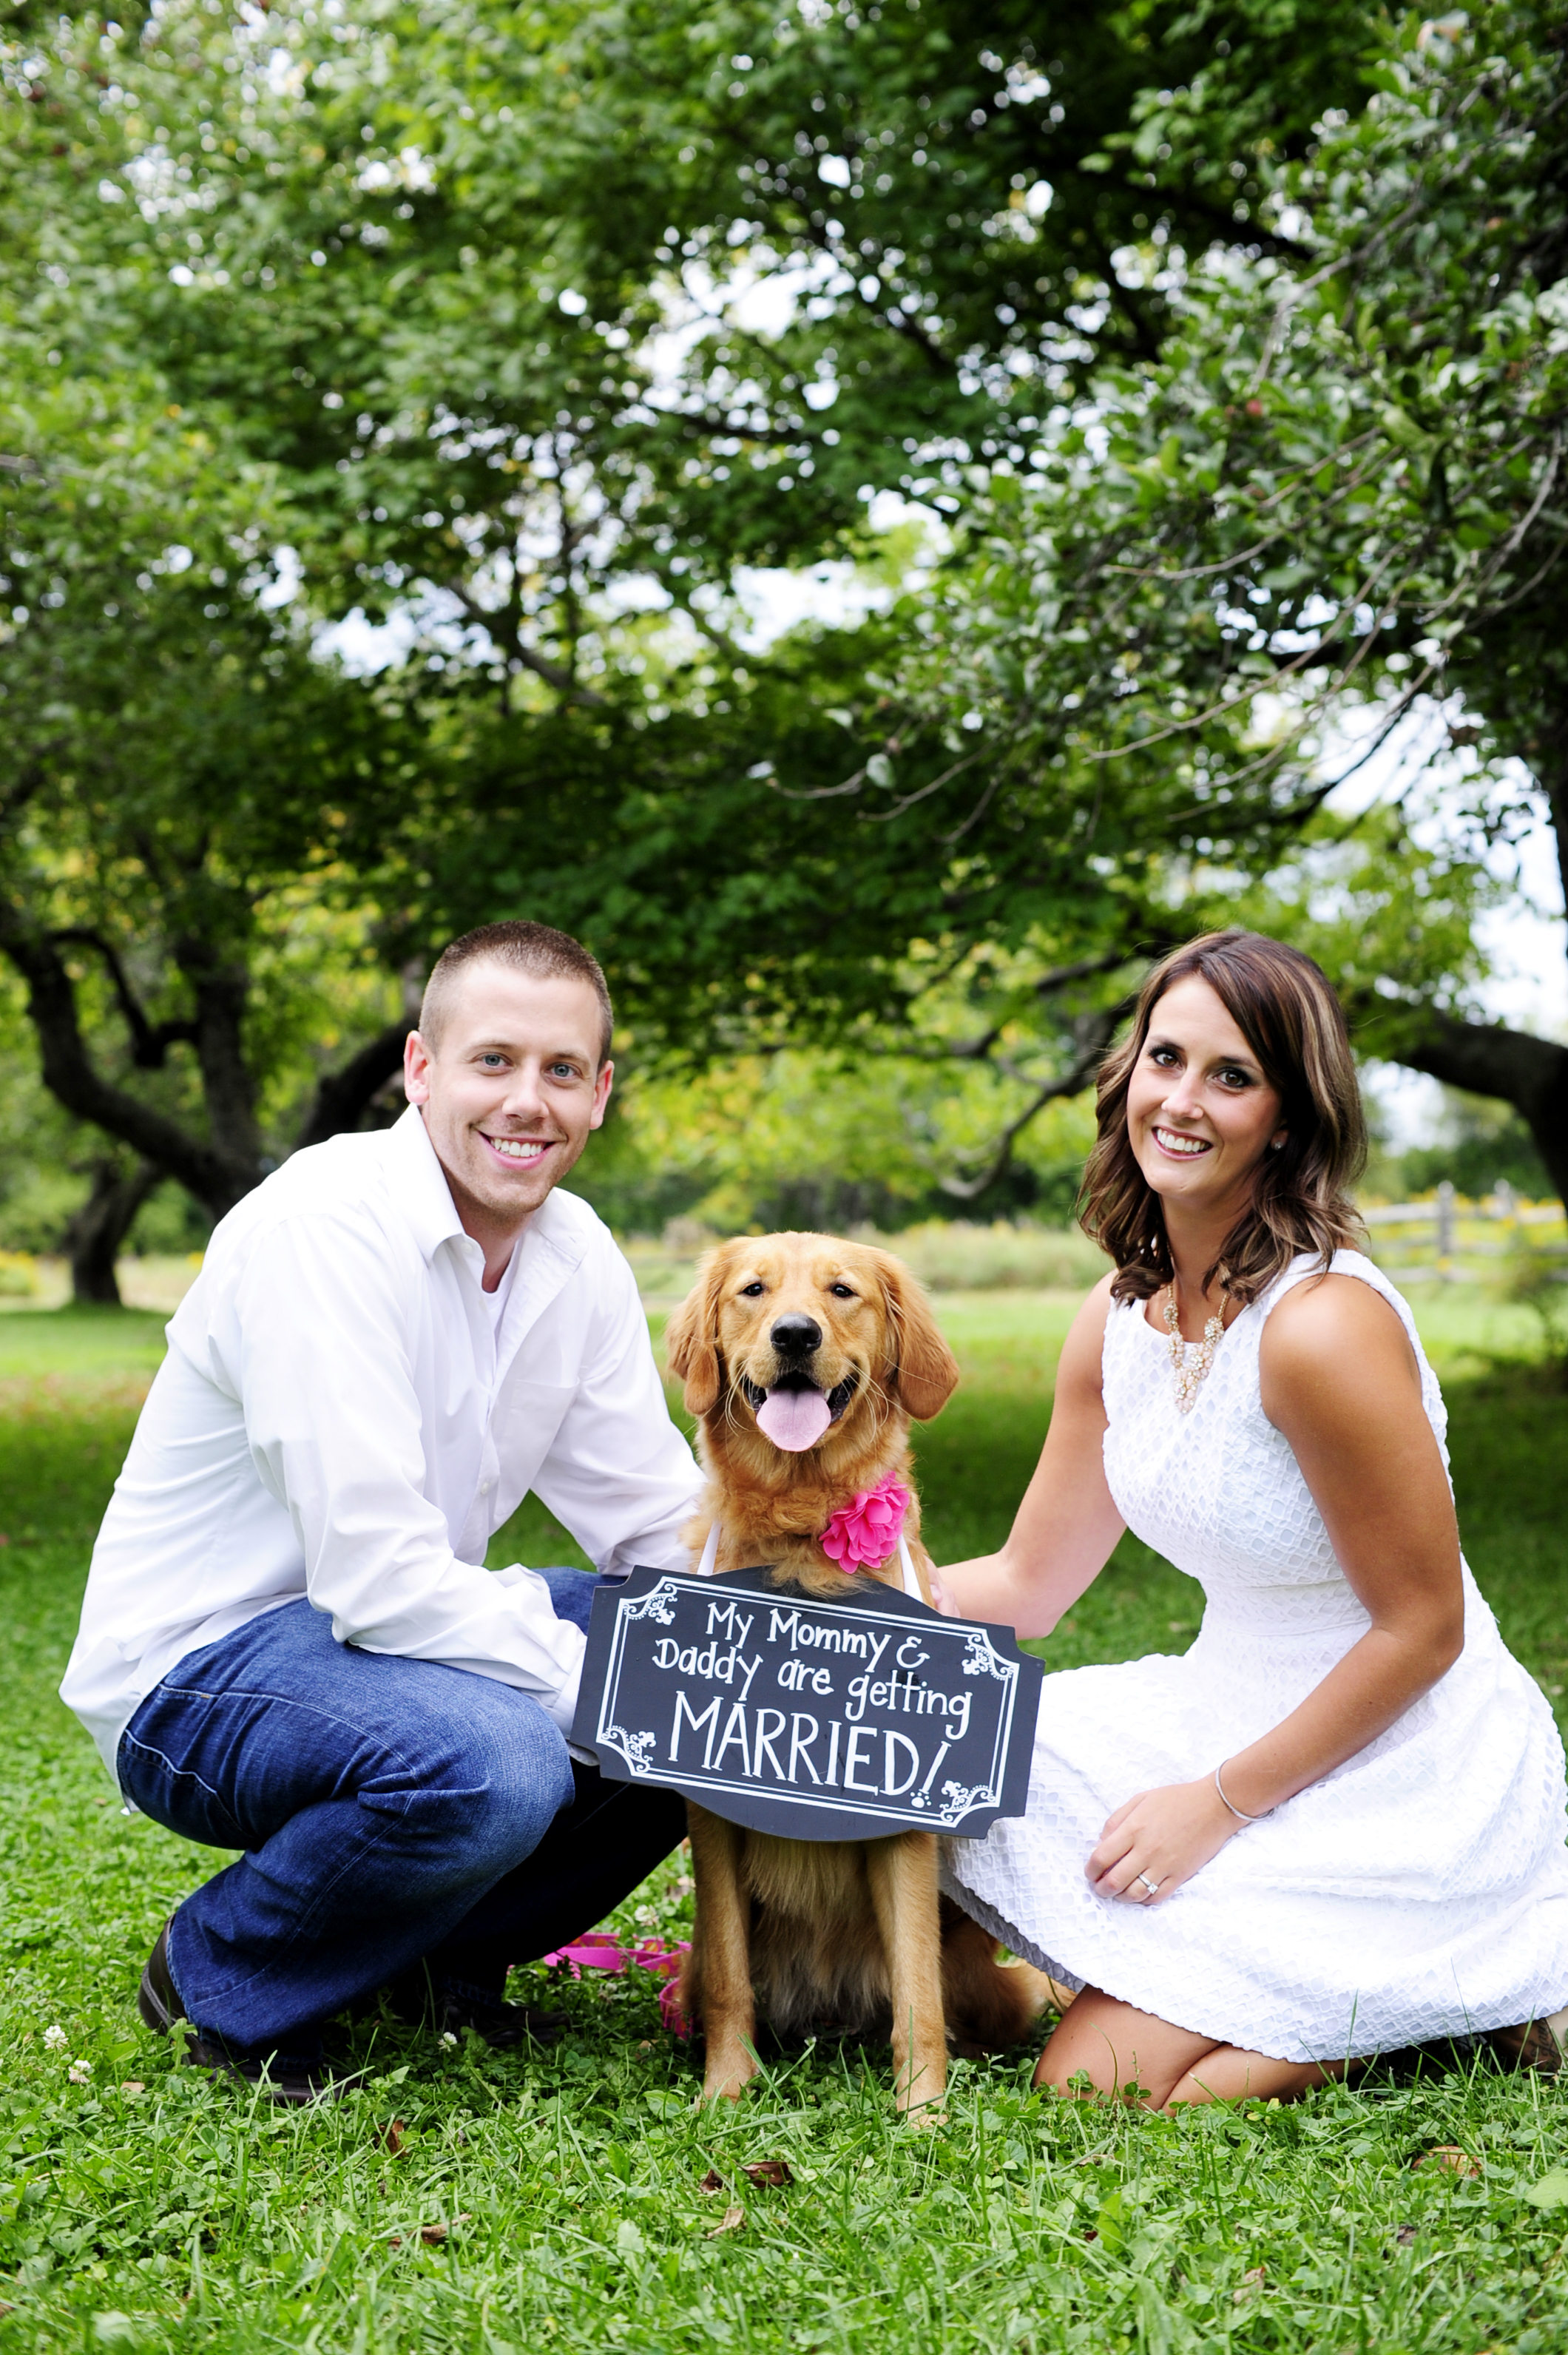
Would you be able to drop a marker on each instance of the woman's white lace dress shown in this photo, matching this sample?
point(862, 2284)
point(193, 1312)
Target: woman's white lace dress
point(1420, 1890)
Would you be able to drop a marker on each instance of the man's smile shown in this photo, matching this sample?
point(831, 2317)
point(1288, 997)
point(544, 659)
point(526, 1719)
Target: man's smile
point(518, 1152)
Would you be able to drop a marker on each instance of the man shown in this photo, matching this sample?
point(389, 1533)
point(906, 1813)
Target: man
point(289, 1644)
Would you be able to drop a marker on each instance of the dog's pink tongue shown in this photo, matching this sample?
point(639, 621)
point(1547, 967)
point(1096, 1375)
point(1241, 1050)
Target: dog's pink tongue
point(794, 1420)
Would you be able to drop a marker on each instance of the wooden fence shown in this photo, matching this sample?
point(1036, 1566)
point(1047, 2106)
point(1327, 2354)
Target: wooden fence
point(1449, 1238)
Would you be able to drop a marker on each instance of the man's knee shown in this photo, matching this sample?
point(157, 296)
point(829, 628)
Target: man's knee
point(487, 1775)
point(528, 1774)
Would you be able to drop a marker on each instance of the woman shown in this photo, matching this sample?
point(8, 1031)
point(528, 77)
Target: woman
point(1335, 1825)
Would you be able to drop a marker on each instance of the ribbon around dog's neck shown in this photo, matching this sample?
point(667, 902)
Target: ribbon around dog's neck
point(888, 1493)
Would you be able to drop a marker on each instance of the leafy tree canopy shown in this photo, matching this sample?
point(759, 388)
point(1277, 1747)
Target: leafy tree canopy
point(1216, 347)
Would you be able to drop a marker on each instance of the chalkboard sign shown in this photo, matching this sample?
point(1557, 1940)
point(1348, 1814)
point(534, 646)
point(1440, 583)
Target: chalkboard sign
point(816, 1720)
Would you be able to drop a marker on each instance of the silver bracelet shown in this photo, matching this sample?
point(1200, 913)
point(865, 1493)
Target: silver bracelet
point(1240, 1813)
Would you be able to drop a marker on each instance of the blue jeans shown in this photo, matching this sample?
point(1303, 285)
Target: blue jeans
point(394, 1813)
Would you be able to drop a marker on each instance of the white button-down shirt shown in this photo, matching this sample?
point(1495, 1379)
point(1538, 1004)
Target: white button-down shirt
point(340, 1416)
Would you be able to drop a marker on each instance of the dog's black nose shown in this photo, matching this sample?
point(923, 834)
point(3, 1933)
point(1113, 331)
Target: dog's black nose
point(796, 1335)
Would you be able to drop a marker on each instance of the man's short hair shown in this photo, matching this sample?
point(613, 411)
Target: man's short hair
point(537, 949)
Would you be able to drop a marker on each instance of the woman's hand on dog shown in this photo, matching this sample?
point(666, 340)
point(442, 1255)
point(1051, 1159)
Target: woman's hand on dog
point(1164, 1836)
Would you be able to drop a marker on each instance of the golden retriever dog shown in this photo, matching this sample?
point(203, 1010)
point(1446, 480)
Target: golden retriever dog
point(804, 1360)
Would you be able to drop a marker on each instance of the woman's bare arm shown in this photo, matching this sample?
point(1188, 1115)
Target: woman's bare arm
point(1340, 1379)
point(1067, 1525)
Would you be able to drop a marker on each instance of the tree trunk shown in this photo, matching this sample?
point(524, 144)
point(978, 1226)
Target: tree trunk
point(93, 1237)
point(216, 1171)
point(228, 1091)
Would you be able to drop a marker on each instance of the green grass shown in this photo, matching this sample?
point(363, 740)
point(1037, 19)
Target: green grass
point(183, 2216)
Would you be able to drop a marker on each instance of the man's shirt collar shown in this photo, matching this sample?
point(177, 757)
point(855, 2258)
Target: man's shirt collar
point(418, 1184)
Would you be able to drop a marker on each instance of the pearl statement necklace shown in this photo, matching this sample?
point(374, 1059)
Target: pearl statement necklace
point(1189, 1371)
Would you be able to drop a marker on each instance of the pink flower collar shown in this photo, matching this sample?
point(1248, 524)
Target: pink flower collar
point(863, 1533)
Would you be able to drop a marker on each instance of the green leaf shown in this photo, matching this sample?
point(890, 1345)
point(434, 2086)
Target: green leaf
point(1551, 2192)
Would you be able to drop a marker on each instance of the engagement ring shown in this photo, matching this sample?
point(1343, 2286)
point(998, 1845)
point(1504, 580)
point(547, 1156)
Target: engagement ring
point(1152, 1886)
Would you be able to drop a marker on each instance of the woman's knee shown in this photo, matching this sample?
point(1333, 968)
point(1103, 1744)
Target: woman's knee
point(1094, 2070)
point(1108, 2050)
point(1190, 2089)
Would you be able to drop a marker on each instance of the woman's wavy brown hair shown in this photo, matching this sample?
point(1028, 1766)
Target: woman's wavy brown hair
point(1284, 1007)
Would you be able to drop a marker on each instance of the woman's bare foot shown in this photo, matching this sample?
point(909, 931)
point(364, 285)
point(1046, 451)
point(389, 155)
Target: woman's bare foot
point(1229, 2074)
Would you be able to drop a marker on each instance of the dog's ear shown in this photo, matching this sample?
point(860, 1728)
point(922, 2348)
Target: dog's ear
point(692, 1336)
point(924, 1372)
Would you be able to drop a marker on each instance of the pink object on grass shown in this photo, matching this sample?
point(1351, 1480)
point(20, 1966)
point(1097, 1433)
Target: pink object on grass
point(596, 1950)
point(670, 2012)
point(601, 1950)
point(862, 1534)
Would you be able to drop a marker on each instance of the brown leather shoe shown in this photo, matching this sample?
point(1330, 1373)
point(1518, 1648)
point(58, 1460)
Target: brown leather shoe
point(1535, 2044)
point(420, 2004)
point(157, 1998)
point(291, 2083)
point(280, 2079)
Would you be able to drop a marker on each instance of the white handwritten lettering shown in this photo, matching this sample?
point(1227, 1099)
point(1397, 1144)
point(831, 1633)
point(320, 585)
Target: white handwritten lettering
point(765, 1738)
point(855, 1756)
point(734, 1732)
point(895, 1790)
point(708, 1718)
point(726, 1618)
point(800, 1744)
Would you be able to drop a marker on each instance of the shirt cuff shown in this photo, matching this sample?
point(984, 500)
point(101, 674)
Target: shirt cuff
point(562, 1707)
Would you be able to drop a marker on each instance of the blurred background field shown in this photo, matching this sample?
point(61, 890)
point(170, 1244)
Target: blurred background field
point(158, 1280)
point(1510, 1252)
point(947, 1256)
point(72, 1380)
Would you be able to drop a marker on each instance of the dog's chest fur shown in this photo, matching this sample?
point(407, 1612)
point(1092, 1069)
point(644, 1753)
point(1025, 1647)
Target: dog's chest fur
point(816, 1954)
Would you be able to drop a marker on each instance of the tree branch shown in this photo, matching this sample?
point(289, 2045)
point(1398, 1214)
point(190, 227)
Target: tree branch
point(553, 674)
point(342, 1096)
point(1063, 977)
point(1096, 1033)
point(150, 1041)
point(733, 653)
point(72, 1078)
point(1486, 1060)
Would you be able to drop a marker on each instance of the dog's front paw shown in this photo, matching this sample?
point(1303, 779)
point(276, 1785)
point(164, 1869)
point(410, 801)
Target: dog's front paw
point(923, 2118)
point(726, 2079)
point(921, 2092)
